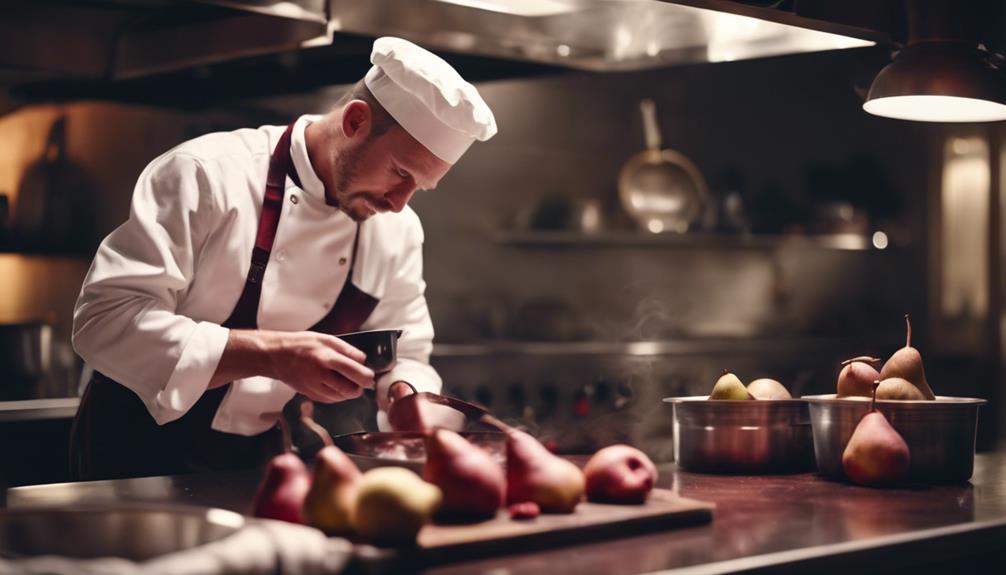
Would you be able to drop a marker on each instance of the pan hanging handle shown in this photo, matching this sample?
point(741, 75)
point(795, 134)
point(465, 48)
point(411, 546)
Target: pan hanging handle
point(650, 127)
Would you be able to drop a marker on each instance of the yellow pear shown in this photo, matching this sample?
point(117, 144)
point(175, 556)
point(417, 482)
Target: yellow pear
point(392, 505)
point(330, 501)
point(729, 386)
point(898, 388)
point(906, 363)
point(766, 388)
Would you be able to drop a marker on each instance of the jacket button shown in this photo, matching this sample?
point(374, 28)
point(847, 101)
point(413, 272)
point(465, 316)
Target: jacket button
point(342, 261)
point(294, 199)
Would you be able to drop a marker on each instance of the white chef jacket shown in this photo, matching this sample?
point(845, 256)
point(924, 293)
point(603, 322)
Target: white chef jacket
point(149, 312)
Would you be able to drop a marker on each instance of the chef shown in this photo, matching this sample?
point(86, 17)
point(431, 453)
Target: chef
point(216, 302)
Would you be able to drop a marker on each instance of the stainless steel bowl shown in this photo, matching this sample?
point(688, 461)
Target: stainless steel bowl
point(940, 434)
point(753, 436)
point(136, 531)
point(407, 449)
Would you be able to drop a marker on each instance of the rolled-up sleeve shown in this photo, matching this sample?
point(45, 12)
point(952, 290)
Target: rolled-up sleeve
point(404, 306)
point(125, 323)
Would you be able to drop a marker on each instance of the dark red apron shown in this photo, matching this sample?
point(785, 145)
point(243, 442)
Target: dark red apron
point(113, 434)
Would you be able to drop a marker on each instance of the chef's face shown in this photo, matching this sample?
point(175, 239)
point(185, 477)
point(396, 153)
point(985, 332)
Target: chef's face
point(379, 173)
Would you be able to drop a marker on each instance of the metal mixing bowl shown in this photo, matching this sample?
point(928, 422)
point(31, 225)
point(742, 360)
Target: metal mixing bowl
point(135, 531)
point(369, 449)
point(752, 436)
point(940, 434)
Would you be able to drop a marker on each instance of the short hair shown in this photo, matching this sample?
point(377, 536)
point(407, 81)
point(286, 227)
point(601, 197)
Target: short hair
point(381, 120)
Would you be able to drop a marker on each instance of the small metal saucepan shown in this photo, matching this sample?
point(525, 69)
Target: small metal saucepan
point(764, 436)
point(940, 433)
point(661, 188)
point(25, 358)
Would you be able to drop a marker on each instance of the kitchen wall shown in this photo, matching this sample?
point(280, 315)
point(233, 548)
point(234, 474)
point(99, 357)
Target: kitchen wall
point(571, 135)
point(787, 134)
point(107, 145)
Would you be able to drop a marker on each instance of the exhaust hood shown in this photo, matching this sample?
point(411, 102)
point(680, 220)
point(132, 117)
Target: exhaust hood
point(597, 35)
point(132, 49)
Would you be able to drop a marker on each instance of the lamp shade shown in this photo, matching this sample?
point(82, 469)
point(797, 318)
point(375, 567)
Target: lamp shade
point(939, 81)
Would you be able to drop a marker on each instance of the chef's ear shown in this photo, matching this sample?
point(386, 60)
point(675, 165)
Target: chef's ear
point(357, 119)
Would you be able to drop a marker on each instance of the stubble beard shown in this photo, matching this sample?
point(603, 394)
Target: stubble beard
point(346, 167)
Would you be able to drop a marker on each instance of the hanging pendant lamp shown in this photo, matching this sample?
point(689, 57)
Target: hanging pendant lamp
point(943, 74)
point(939, 81)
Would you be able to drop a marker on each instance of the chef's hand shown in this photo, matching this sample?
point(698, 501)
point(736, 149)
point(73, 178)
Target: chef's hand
point(320, 366)
point(409, 412)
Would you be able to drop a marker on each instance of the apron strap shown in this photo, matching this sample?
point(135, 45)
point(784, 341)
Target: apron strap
point(245, 312)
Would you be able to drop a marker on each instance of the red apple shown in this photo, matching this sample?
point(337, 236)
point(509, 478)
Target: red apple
point(619, 474)
point(281, 493)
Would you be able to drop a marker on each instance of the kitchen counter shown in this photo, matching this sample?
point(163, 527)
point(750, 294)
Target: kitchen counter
point(792, 524)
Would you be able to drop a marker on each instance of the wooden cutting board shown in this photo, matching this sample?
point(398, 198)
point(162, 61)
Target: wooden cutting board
point(590, 522)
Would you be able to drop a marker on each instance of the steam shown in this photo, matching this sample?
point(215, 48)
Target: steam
point(653, 318)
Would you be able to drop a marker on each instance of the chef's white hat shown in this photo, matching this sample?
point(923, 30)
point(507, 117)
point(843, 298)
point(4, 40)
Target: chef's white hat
point(428, 98)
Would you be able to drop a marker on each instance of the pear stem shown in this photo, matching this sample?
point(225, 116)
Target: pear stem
point(861, 359)
point(873, 401)
point(908, 337)
point(284, 430)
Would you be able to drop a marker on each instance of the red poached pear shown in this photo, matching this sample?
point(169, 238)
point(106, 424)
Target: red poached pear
point(857, 376)
point(619, 474)
point(876, 454)
point(472, 483)
point(281, 493)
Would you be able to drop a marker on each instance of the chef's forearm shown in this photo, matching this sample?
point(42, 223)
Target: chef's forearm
point(248, 354)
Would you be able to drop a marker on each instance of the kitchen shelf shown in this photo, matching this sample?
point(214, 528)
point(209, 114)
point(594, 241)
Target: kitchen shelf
point(35, 409)
point(669, 347)
point(534, 238)
point(8, 248)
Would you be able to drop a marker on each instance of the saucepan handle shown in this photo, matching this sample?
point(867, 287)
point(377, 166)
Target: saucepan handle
point(650, 127)
point(470, 411)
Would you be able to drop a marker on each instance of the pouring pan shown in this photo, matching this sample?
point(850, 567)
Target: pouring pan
point(661, 188)
point(380, 345)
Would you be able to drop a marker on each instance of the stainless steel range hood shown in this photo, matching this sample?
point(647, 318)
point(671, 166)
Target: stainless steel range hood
point(598, 35)
point(150, 50)
point(116, 39)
